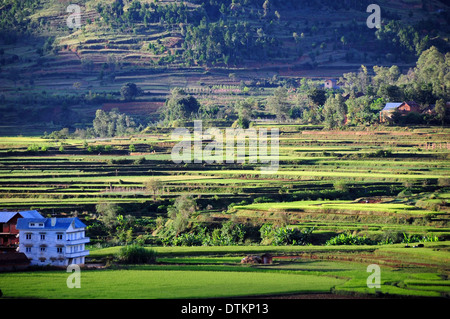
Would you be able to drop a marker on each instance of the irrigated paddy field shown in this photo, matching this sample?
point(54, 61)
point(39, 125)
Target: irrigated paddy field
point(378, 184)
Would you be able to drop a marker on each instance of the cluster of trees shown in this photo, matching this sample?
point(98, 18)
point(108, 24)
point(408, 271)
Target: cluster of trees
point(208, 36)
point(138, 12)
point(222, 32)
point(13, 18)
point(425, 83)
point(363, 95)
point(180, 106)
point(225, 31)
point(112, 123)
point(358, 101)
point(181, 230)
point(111, 221)
point(282, 235)
point(105, 124)
point(227, 42)
point(130, 91)
point(402, 39)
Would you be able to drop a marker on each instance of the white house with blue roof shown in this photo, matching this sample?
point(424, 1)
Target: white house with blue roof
point(53, 241)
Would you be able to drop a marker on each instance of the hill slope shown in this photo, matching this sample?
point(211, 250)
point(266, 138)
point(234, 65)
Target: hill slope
point(55, 76)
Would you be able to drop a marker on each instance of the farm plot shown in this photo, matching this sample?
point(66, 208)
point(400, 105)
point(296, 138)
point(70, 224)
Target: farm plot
point(336, 205)
point(160, 284)
point(203, 272)
point(349, 178)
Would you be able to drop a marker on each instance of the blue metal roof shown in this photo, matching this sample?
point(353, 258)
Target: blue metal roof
point(30, 214)
point(59, 223)
point(391, 106)
point(6, 216)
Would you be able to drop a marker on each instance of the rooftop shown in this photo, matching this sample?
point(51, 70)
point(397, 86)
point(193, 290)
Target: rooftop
point(50, 223)
point(391, 106)
point(6, 216)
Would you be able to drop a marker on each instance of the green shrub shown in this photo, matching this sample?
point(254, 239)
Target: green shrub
point(263, 199)
point(392, 237)
point(139, 161)
point(380, 153)
point(134, 254)
point(33, 148)
point(340, 186)
point(349, 239)
point(278, 236)
point(415, 238)
point(187, 239)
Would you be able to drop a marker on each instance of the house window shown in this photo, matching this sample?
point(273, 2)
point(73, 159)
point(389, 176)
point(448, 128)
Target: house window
point(59, 236)
point(33, 224)
point(28, 236)
point(42, 236)
point(28, 249)
point(59, 250)
point(43, 249)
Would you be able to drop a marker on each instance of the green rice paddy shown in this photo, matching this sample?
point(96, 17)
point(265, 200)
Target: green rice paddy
point(333, 183)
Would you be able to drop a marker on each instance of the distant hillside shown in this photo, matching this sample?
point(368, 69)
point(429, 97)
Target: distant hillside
point(57, 76)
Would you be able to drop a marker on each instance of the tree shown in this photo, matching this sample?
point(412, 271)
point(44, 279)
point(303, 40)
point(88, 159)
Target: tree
point(124, 228)
point(434, 68)
point(403, 39)
point(133, 12)
point(130, 91)
point(180, 213)
point(334, 111)
point(244, 110)
point(107, 214)
point(361, 111)
point(153, 185)
point(109, 124)
point(391, 93)
point(100, 123)
point(356, 82)
point(385, 76)
point(440, 110)
point(317, 96)
point(180, 106)
point(278, 103)
point(117, 8)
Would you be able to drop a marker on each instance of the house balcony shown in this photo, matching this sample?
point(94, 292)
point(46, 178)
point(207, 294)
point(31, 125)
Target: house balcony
point(77, 254)
point(78, 241)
